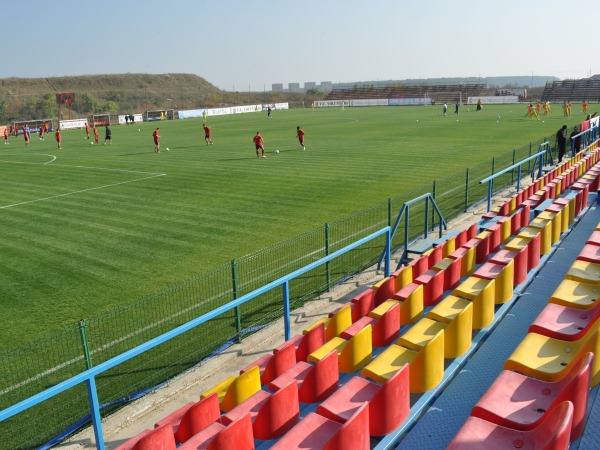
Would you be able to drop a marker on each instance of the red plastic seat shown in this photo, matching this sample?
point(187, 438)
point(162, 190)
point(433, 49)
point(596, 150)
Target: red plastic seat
point(161, 438)
point(218, 437)
point(384, 290)
point(273, 365)
point(565, 323)
point(193, 418)
point(307, 343)
point(419, 265)
point(495, 239)
point(435, 255)
point(451, 266)
point(363, 303)
point(272, 415)
point(520, 260)
point(389, 404)
point(482, 248)
point(520, 402)
point(552, 432)
point(515, 223)
point(385, 329)
point(318, 432)
point(589, 253)
point(316, 382)
point(594, 238)
point(433, 286)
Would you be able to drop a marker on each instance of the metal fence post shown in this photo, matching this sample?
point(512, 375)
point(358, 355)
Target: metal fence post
point(234, 285)
point(467, 191)
point(328, 263)
point(512, 172)
point(433, 209)
point(389, 211)
point(84, 344)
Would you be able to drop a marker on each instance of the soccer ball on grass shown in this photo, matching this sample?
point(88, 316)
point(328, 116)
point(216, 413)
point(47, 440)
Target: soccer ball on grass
point(276, 151)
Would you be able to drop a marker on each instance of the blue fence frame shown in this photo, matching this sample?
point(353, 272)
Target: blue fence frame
point(89, 376)
point(490, 180)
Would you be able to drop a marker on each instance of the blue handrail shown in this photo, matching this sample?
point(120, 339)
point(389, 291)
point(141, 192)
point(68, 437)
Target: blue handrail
point(490, 180)
point(405, 212)
point(90, 375)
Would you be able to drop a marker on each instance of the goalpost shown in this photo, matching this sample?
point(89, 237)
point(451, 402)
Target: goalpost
point(100, 119)
point(34, 125)
point(159, 114)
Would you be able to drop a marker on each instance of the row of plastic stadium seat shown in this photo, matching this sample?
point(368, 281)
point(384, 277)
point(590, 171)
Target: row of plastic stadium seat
point(443, 296)
point(541, 398)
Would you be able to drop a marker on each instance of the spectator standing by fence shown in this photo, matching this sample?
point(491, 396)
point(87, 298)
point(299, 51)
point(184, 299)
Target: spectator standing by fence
point(561, 139)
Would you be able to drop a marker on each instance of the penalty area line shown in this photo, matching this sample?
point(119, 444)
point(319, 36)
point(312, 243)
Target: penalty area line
point(83, 190)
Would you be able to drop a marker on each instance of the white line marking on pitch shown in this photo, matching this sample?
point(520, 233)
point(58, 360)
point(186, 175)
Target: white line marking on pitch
point(152, 175)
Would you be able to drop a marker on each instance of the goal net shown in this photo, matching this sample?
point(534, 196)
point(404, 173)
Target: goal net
point(34, 125)
point(159, 114)
point(101, 119)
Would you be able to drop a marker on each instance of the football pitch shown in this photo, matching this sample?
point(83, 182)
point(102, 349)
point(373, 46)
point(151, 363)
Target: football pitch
point(90, 227)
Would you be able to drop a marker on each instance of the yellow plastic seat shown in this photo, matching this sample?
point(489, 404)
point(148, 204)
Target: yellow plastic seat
point(467, 262)
point(545, 228)
point(426, 366)
point(505, 225)
point(586, 272)
point(379, 311)
point(449, 246)
point(481, 293)
point(235, 389)
point(576, 294)
point(555, 218)
point(456, 316)
point(354, 353)
point(504, 276)
point(411, 298)
point(550, 359)
point(517, 243)
point(334, 325)
point(404, 277)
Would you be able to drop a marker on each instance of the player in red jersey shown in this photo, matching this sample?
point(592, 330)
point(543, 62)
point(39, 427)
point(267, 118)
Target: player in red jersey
point(259, 144)
point(300, 136)
point(156, 138)
point(26, 135)
point(58, 137)
point(5, 136)
point(87, 130)
point(95, 130)
point(41, 132)
point(207, 135)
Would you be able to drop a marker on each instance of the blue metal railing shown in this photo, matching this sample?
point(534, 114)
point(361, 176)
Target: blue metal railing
point(405, 212)
point(490, 180)
point(89, 376)
point(586, 138)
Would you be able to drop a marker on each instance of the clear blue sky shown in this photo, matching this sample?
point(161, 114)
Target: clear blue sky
point(245, 45)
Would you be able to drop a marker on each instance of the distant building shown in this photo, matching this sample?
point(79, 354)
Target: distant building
point(326, 86)
point(309, 85)
point(294, 87)
point(277, 87)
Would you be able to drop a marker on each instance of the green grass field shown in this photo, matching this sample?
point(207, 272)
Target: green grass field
point(91, 227)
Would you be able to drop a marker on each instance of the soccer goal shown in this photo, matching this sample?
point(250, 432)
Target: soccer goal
point(101, 119)
point(159, 114)
point(34, 125)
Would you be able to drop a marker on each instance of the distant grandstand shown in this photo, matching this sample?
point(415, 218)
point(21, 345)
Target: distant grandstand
point(573, 90)
point(439, 93)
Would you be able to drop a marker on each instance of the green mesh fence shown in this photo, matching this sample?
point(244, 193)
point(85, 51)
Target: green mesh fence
point(30, 369)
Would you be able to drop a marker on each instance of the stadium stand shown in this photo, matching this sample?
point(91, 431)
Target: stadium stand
point(327, 387)
point(573, 90)
point(439, 93)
